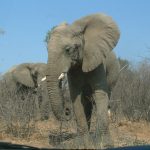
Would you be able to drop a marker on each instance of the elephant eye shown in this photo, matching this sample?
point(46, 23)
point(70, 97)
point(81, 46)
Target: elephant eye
point(68, 49)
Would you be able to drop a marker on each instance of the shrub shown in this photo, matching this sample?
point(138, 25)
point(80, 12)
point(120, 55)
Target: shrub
point(133, 92)
point(17, 111)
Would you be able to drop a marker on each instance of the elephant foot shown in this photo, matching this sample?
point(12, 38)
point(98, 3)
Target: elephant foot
point(76, 141)
point(89, 143)
point(56, 139)
point(85, 141)
point(104, 141)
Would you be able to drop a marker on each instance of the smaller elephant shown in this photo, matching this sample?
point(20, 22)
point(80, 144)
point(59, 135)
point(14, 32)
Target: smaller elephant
point(25, 80)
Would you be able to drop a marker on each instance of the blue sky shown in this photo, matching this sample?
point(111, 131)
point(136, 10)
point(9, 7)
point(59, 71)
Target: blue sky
point(26, 22)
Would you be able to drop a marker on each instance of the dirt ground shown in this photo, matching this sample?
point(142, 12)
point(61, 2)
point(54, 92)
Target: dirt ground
point(127, 133)
point(123, 133)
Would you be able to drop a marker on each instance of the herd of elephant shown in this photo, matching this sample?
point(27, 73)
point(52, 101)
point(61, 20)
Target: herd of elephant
point(80, 63)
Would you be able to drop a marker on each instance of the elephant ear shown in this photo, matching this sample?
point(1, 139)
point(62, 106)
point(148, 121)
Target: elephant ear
point(22, 75)
point(101, 35)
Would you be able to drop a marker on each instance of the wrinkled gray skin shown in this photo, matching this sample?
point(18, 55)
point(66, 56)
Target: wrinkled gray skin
point(80, 51)
point(26, 78)
point(112, 71)
point(112, 74)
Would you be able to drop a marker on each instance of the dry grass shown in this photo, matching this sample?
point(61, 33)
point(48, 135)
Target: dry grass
point(127, 133)
point(123, 133)
point(129, 123)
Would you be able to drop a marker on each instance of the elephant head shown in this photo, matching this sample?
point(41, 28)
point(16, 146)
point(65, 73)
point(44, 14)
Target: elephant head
point(29, 74)
point(26, 75)
point(85, 44)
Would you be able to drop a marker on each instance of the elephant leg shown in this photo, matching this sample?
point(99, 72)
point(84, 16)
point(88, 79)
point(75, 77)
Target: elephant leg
point(88, 107)
point(82, 126)
point(102, 126)
point(44, 105)
point(80, 116)
point(87, 102)
point(75, 86)
point(75, 82)
point(44, 109)
point(38, 115)
point(98, 82)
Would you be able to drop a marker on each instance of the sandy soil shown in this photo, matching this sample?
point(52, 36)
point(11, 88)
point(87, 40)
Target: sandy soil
point(123, 133)
point(130, 133)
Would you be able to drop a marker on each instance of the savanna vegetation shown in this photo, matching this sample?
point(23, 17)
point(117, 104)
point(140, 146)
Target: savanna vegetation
point(129, 113)
point(129, 106)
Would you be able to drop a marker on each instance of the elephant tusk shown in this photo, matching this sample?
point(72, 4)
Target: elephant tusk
point(61, 76)
point(43, 79)
point(109, 112)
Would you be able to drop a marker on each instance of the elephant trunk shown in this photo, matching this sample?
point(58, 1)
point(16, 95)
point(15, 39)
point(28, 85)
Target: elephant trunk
point(55, 93)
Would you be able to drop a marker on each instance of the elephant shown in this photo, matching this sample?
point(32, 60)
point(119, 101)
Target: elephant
point(112, 71)
point(25, 79)
point(79, 50)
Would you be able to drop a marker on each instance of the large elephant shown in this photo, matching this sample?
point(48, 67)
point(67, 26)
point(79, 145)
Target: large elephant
point(25, 79)
point(80, 51)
